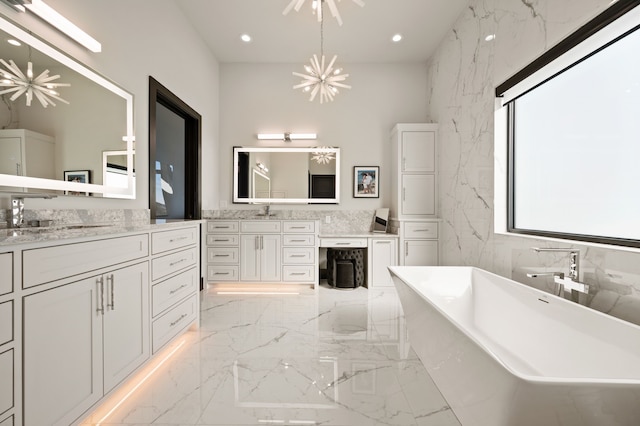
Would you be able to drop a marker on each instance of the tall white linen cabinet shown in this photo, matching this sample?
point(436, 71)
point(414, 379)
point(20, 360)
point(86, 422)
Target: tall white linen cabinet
point(414, 186)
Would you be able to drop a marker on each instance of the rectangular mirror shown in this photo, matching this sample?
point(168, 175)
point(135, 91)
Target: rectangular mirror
point(286, 175)
point(38, 144)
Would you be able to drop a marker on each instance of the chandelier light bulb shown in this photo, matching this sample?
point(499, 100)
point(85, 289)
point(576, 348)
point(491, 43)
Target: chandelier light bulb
point(317, 5)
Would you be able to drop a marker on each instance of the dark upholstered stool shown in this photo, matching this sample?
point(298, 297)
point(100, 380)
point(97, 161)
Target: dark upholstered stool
point(339, 273)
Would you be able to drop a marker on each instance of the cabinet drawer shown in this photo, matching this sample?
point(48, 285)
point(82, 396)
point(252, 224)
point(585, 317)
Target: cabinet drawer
point(223, 240)
point(6, 386)
point(7, 422)
point(52, 263)
point(260, 226)
point(223, 255)
point(223, 273)
point(6, 273)
point(6, 322)
point(343, 242)
point(298, 255)
point(302, 273)
point(174, 321)
point(168, 240)
point(421, 230)
point(165, 265)
point(167, 293)
point(222, 226)
point(299, 226)
point(299, 240)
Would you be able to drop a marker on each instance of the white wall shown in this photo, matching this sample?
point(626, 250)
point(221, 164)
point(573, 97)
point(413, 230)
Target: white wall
point(139, 39)
point(462, 77)
point(259, 98)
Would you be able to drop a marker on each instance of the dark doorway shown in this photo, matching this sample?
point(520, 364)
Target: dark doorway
point(174, 156)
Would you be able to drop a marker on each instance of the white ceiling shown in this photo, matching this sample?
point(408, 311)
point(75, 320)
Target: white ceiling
point(365, 35)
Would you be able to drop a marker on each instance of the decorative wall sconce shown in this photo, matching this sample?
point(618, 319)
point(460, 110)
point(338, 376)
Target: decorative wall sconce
point(287, 137)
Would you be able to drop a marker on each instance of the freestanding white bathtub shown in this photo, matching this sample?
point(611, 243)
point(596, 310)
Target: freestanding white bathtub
point(505, 354)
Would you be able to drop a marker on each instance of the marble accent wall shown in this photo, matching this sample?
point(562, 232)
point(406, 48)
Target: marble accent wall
point(462, 76)
point(82, 216)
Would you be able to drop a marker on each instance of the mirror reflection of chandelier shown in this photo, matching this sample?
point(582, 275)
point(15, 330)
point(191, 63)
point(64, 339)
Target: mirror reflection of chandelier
point(318, 9)
point(323, 157)
point(20, 83)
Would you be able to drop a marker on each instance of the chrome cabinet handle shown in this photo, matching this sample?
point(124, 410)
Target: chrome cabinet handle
point(100, 287)
point(177, 289)
point(297, 273)
point(221, 255)
point(261, 242)
point(221, 240)
point(183, 316)
point(406, 248)
point(297, 255)
point(221, 273)
point(177, 262)
point(173, 240)
point(383, 242)
point(111, 305)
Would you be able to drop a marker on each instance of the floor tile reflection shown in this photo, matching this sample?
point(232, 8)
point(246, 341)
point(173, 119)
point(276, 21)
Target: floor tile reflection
point(335, 358)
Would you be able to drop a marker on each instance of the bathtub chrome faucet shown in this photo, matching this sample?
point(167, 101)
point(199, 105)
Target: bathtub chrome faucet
point(570, 282)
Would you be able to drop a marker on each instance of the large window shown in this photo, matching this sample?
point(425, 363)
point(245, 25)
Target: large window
point(573, 132)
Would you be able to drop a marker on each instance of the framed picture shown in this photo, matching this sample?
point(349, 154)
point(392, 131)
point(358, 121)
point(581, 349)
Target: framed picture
point(365, 181)
point(80, 176)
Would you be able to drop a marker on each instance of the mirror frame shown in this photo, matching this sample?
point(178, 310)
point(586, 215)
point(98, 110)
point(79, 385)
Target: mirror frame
point(257, 200)
point(61, 185)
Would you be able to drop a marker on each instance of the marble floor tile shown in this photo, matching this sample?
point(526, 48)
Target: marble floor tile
point(339, 358)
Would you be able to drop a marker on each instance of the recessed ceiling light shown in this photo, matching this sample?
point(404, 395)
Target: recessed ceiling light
point(490, 37)
point(396, 38)
point(14, 42)
point(245, 37)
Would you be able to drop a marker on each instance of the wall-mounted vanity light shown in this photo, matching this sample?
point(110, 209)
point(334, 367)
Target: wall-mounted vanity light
point(50, 15)
point(262, 167)
point(287, 137)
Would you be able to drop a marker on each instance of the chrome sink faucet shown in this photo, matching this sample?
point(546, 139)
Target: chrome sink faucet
point(17, 207)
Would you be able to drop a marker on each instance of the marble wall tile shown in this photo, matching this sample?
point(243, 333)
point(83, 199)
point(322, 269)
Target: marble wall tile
point(83, 216)
point(462, 76)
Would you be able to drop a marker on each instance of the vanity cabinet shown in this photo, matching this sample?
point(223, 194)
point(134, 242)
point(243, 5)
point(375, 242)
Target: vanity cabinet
point(80, 316)
point(265, 250)
point(105, 320)
point(383, 252)
point(414, 185)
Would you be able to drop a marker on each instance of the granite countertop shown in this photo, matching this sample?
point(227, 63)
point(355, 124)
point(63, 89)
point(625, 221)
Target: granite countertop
point(10, 236)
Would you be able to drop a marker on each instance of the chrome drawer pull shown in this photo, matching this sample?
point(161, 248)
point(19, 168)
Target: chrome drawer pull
point(178, 289)
point(298, 227)
point(421, 230)
point(343, 244)
point(219, 240)
point(222, 273)
point(178, 239)
point(100, 302)
point(298, 273)
point(221, 255)
point(297, 255)
point(222, 227)
point(183, 316)
point(383, 242)
point(179, 261)
point(298, 241)
point(111, 305)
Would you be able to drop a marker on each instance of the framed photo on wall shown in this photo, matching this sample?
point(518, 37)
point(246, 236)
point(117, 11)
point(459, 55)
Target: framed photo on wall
point(365, 181)
point(80, 176)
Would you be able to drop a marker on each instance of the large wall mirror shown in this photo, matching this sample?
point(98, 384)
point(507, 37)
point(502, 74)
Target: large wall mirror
point(60, 148)
point(286, 175)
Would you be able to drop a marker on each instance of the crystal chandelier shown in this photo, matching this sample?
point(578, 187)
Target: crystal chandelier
point(20, 83)
point(321, 77)
point(316, 6)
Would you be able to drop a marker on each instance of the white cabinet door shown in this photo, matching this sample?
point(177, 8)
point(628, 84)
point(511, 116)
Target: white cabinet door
point(260, 257)
point(418, 151)
point(250, 257)
point(126, 322)
point(62, 352)
point(383, 253)
point(11, 156)
point(420, 253)
point(270, 264)
point(418, 194)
